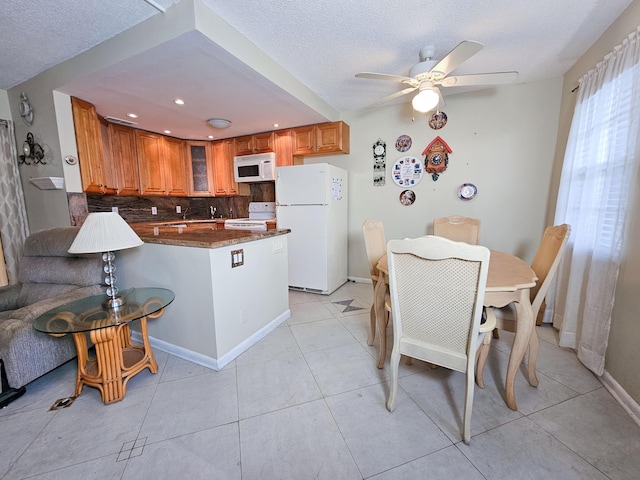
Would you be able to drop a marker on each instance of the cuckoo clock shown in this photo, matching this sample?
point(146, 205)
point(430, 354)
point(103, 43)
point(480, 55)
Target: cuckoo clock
point(436, 157)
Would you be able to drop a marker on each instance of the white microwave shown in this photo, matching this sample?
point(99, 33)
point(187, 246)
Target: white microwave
point(260, 167)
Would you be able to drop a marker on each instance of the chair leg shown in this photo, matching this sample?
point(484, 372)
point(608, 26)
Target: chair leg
point(372, 327)
point(495, 333)
point(468, 405)
point(534, 346)
point(393, 388)
point(483, 353)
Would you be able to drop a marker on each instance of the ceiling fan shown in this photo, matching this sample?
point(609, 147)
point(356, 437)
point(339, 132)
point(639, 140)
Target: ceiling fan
point(428, 74)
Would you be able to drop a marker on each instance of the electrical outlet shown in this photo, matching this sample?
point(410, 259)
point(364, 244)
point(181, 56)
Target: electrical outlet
point(154, 210)
point(278, 247)
point(237, 258)
point(178, 209)
point(114, 209)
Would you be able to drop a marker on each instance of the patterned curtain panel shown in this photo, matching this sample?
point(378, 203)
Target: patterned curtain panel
point(14, 228)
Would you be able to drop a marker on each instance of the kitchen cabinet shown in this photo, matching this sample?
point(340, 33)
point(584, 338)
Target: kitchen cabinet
point(223, 180)
point(283, 148)
point(321, 139)
point(176, 183)
point(200, 169)
point(96, 171)
point(258, 143)
point(162, 165)
point(125, 159)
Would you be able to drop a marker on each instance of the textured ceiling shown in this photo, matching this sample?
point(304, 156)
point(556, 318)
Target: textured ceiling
point(322, 43)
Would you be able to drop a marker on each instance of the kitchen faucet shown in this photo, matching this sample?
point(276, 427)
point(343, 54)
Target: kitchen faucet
point(212, 212)
point(184, 213)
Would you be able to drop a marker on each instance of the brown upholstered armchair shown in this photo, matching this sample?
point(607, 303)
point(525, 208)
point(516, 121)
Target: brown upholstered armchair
point(48, 276)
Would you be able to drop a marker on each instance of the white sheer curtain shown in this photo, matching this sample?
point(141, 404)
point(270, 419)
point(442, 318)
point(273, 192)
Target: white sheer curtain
point(13, 214)
point(598, 173)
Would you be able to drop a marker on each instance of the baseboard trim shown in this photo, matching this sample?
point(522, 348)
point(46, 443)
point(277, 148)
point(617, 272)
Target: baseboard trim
point(207, 361)
point(622, 397)
point(359, 280)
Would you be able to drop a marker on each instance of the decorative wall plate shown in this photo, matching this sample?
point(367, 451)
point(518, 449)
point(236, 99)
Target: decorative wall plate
point(438, 120)
point(467, 191)
point(403, 143)
point(407, 197)
point(407, 171)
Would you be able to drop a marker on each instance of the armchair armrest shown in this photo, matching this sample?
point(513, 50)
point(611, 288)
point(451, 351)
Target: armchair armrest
point(490, 323)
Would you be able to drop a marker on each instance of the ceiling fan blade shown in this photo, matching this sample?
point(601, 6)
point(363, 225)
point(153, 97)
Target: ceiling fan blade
point(385, 76)
point(456, 57)
point(393, 96)
point(479, 79)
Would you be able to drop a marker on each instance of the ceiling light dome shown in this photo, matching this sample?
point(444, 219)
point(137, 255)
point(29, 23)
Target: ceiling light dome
point(219, 122)
point(426, 100)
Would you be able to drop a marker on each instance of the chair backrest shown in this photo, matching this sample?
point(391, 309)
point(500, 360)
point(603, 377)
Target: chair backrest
point(47, 270)
point(546, 261)
point(458, 228)
point(437, 289)
point(374, 244)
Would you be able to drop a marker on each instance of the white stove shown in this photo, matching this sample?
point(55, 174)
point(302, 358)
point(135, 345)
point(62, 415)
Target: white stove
point(259, 213)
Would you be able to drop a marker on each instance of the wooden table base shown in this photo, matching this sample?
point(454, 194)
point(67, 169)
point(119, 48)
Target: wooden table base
point(116, 360)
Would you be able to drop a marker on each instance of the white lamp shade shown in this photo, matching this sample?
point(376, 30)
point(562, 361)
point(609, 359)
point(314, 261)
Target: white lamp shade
point(104, 232)
point(426, 100)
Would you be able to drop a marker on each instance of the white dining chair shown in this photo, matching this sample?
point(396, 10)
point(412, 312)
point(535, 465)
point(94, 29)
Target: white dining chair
point(437, 289)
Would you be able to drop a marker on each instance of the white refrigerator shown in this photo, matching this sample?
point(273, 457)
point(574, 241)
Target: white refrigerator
point(311, 200)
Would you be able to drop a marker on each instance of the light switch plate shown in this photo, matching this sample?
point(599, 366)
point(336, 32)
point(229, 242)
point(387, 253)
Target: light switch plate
point(154, 210)
point(237, 258)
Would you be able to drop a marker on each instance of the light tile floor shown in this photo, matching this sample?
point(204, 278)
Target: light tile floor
point(308, 402)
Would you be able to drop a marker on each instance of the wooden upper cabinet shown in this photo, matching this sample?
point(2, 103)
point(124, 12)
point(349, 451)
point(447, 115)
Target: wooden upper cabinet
point(161, 160)
point(150, 161)
point(321, 139)
point(200, 168)
point(303, 140)
point(175, 173)
point(96, 173)
point(125, 159)
point(224, 183)
point(258, 143)
point(284, 149)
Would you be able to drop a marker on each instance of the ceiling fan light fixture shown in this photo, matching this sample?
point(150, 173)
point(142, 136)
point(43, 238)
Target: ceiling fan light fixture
point(426, 100)
point(219, 123)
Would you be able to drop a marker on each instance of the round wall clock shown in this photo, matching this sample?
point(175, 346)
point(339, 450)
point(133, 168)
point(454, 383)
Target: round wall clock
point(407, 171)
point(26, 110)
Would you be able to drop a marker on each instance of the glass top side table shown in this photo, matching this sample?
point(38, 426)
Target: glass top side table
point(117, 358)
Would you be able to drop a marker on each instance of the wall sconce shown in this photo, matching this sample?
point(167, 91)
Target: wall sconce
point(32, 151)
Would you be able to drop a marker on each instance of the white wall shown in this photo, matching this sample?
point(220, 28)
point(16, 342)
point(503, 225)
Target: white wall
point(503, 141)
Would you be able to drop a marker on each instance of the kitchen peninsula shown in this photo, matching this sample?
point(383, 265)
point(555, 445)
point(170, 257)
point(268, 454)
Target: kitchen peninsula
point(231, 286)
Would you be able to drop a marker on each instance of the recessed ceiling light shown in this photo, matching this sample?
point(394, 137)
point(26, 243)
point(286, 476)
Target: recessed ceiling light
point(178, 101)
point(132, 115)
point(167, 131)
point(210, 136)
point(276, 124)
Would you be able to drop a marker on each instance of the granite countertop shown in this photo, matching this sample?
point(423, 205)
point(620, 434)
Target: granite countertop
point(198, 233)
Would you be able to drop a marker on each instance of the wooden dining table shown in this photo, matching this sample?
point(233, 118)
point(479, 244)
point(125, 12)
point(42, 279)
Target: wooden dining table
point(508, 281)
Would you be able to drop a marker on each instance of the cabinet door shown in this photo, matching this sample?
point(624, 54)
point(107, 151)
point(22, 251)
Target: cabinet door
point(263, 142)
point(243, 145)
point(96, 177)
point(150, 162)
point(284, 150)
point(175, 167)
point(332, 138)
point(125, 158)
point(222, 167)
point(304, 140)
point(200, 169)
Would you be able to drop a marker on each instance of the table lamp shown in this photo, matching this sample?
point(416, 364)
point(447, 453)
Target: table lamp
point(105, 232)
